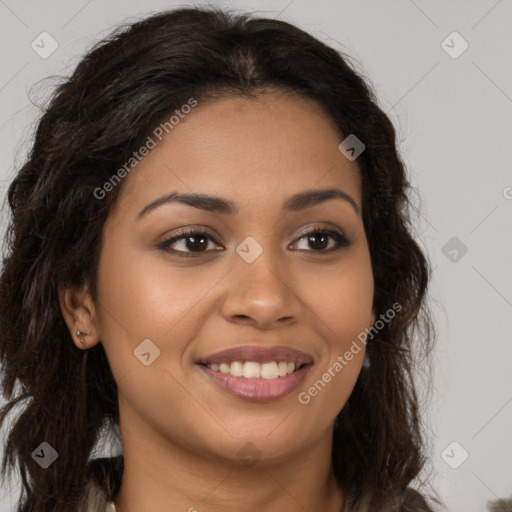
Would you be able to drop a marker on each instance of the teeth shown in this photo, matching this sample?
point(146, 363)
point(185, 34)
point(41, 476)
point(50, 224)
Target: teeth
point(282, 367)
point(269, 371)
point(236, 369)
point(253, 370)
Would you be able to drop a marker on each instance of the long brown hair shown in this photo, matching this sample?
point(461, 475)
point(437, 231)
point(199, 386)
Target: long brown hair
point(96, 118)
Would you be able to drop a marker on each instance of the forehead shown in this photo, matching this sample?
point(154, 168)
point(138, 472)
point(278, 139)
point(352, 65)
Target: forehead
point(252, 151)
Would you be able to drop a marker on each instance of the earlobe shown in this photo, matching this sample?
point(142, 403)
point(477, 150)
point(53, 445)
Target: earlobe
point(78, 311)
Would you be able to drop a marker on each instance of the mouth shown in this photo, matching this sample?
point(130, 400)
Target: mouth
point(254, 370)
point(255, 373)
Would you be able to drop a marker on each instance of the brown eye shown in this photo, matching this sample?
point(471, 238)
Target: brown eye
point(318, 239)
point(189, 242)
point(193, 242)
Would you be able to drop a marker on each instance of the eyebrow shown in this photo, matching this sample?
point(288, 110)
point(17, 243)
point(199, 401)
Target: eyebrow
point(215, 204)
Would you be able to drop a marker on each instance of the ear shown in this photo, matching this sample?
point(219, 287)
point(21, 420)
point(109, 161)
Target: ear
point(372, 318)
point(77, 307)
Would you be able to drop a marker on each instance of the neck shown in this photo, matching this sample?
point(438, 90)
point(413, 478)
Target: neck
point(158, 473)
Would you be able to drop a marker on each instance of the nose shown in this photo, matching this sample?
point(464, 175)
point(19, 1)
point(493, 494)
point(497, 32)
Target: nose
point(261, 294)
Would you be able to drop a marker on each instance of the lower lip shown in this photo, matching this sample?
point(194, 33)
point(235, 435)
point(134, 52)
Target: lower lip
point(258, 390)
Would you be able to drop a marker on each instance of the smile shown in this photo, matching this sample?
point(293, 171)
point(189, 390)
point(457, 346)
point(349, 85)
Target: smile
point(257, 373)
point(257, 389)
point(255, 370)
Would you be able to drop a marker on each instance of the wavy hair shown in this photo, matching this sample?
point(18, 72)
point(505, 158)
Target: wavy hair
point(95, 119)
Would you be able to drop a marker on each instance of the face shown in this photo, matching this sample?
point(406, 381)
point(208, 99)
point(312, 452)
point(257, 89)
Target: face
point(241, 281)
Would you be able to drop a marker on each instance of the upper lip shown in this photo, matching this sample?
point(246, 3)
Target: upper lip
point(258, 354)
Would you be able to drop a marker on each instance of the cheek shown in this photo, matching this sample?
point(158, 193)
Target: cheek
point(343, 310)
point(345, 305)
point(342, 299)
point(144, 297)
point(141, 297)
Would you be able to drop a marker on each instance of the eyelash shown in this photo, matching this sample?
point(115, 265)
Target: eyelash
point(341, 240)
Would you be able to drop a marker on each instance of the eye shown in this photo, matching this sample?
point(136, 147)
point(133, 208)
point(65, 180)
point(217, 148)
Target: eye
point(319, 238)
point(191, 239)
point(193, 242)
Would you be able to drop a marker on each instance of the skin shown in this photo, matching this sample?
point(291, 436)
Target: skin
point(181, 433)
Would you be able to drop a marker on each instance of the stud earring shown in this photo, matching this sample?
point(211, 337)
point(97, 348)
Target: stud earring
point(81, 335)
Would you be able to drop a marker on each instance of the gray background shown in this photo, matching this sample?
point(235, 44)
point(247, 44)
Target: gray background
point(453, 117)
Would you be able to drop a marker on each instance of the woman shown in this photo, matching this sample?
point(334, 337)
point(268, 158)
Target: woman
point(210, 248)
